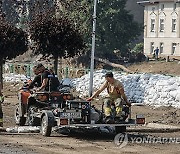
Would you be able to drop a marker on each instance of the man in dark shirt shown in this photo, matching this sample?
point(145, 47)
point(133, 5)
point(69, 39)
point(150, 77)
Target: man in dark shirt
point(156, 53)
point(37, 79)
point(48, 79)
point(44, 78)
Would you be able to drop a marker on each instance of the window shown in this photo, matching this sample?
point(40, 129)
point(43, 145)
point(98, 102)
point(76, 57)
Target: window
point(152, 25)
point(162, 7)
point(161, 25)
point(152, 47)
point(173, 48)
point(174, 25)
point(161, 47)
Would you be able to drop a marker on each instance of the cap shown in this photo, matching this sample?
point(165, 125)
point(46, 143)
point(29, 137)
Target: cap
point(108, 74)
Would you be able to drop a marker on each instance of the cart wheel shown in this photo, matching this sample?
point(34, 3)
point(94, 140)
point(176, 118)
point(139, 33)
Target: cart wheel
point(120, 129)
point(32, 119)
point(45, 129)
point(19, 120)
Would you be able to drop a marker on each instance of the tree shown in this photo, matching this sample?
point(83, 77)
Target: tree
point(79, 11)
point(138, 48)
point(13, 41)
point(115, 27)
point(58, 37)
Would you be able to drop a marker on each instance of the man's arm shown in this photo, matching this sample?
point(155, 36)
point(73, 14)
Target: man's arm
point(43, 85)
point(32, 84)
point(98, 91)
point(45, 79)
point(121, 90)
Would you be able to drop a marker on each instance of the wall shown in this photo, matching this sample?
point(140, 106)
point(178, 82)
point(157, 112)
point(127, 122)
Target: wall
point(167, 36)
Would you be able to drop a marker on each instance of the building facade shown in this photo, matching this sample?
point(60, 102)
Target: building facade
point(162, 27)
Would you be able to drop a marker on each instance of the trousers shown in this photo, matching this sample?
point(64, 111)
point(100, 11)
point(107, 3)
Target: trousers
point(113, 107)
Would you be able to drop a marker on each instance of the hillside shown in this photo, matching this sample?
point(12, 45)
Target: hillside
point(157, 67)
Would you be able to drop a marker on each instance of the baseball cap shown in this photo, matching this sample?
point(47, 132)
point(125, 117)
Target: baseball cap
point(108, 74)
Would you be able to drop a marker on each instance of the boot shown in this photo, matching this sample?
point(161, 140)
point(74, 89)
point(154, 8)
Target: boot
point(118, 120)
point(109, 120)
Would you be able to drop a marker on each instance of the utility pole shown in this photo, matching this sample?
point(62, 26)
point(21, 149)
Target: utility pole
point(93, 49)
point(1, 60)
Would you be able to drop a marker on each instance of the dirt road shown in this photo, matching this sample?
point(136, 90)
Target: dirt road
point(91, 142)
point(81, 143)
point(96, 143)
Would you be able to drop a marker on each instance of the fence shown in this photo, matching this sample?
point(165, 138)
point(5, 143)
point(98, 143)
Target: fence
point(26, 69)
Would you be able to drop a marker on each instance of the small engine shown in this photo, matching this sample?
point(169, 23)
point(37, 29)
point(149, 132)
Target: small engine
point(85, 108)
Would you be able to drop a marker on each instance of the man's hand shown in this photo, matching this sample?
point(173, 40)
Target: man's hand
point(89, 99)
point(38, 89)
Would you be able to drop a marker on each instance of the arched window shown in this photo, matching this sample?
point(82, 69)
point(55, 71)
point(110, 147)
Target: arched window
point(162, 17)
point(174, 22)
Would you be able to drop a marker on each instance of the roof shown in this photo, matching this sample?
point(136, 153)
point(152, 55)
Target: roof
point(155, 1)
point(152, 1)
point(143, 2)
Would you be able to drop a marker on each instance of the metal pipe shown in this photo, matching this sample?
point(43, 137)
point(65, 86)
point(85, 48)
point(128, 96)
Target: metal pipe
point(93, 49)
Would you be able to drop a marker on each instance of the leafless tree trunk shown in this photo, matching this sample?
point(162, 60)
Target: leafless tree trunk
point(55, 64)
point(113, 64)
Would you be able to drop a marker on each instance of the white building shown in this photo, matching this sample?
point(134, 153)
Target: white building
point(162, 27)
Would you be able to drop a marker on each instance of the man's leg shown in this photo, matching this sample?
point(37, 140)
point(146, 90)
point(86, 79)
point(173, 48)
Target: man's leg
point(108, 111)
point(118, 104)
point(107, 107)
point(156, 56)
point(1, 116)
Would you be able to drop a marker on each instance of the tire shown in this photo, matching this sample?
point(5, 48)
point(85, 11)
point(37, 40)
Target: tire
point(120, 129)
point(32, 120)
point(19, 120)
point(45, 128)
